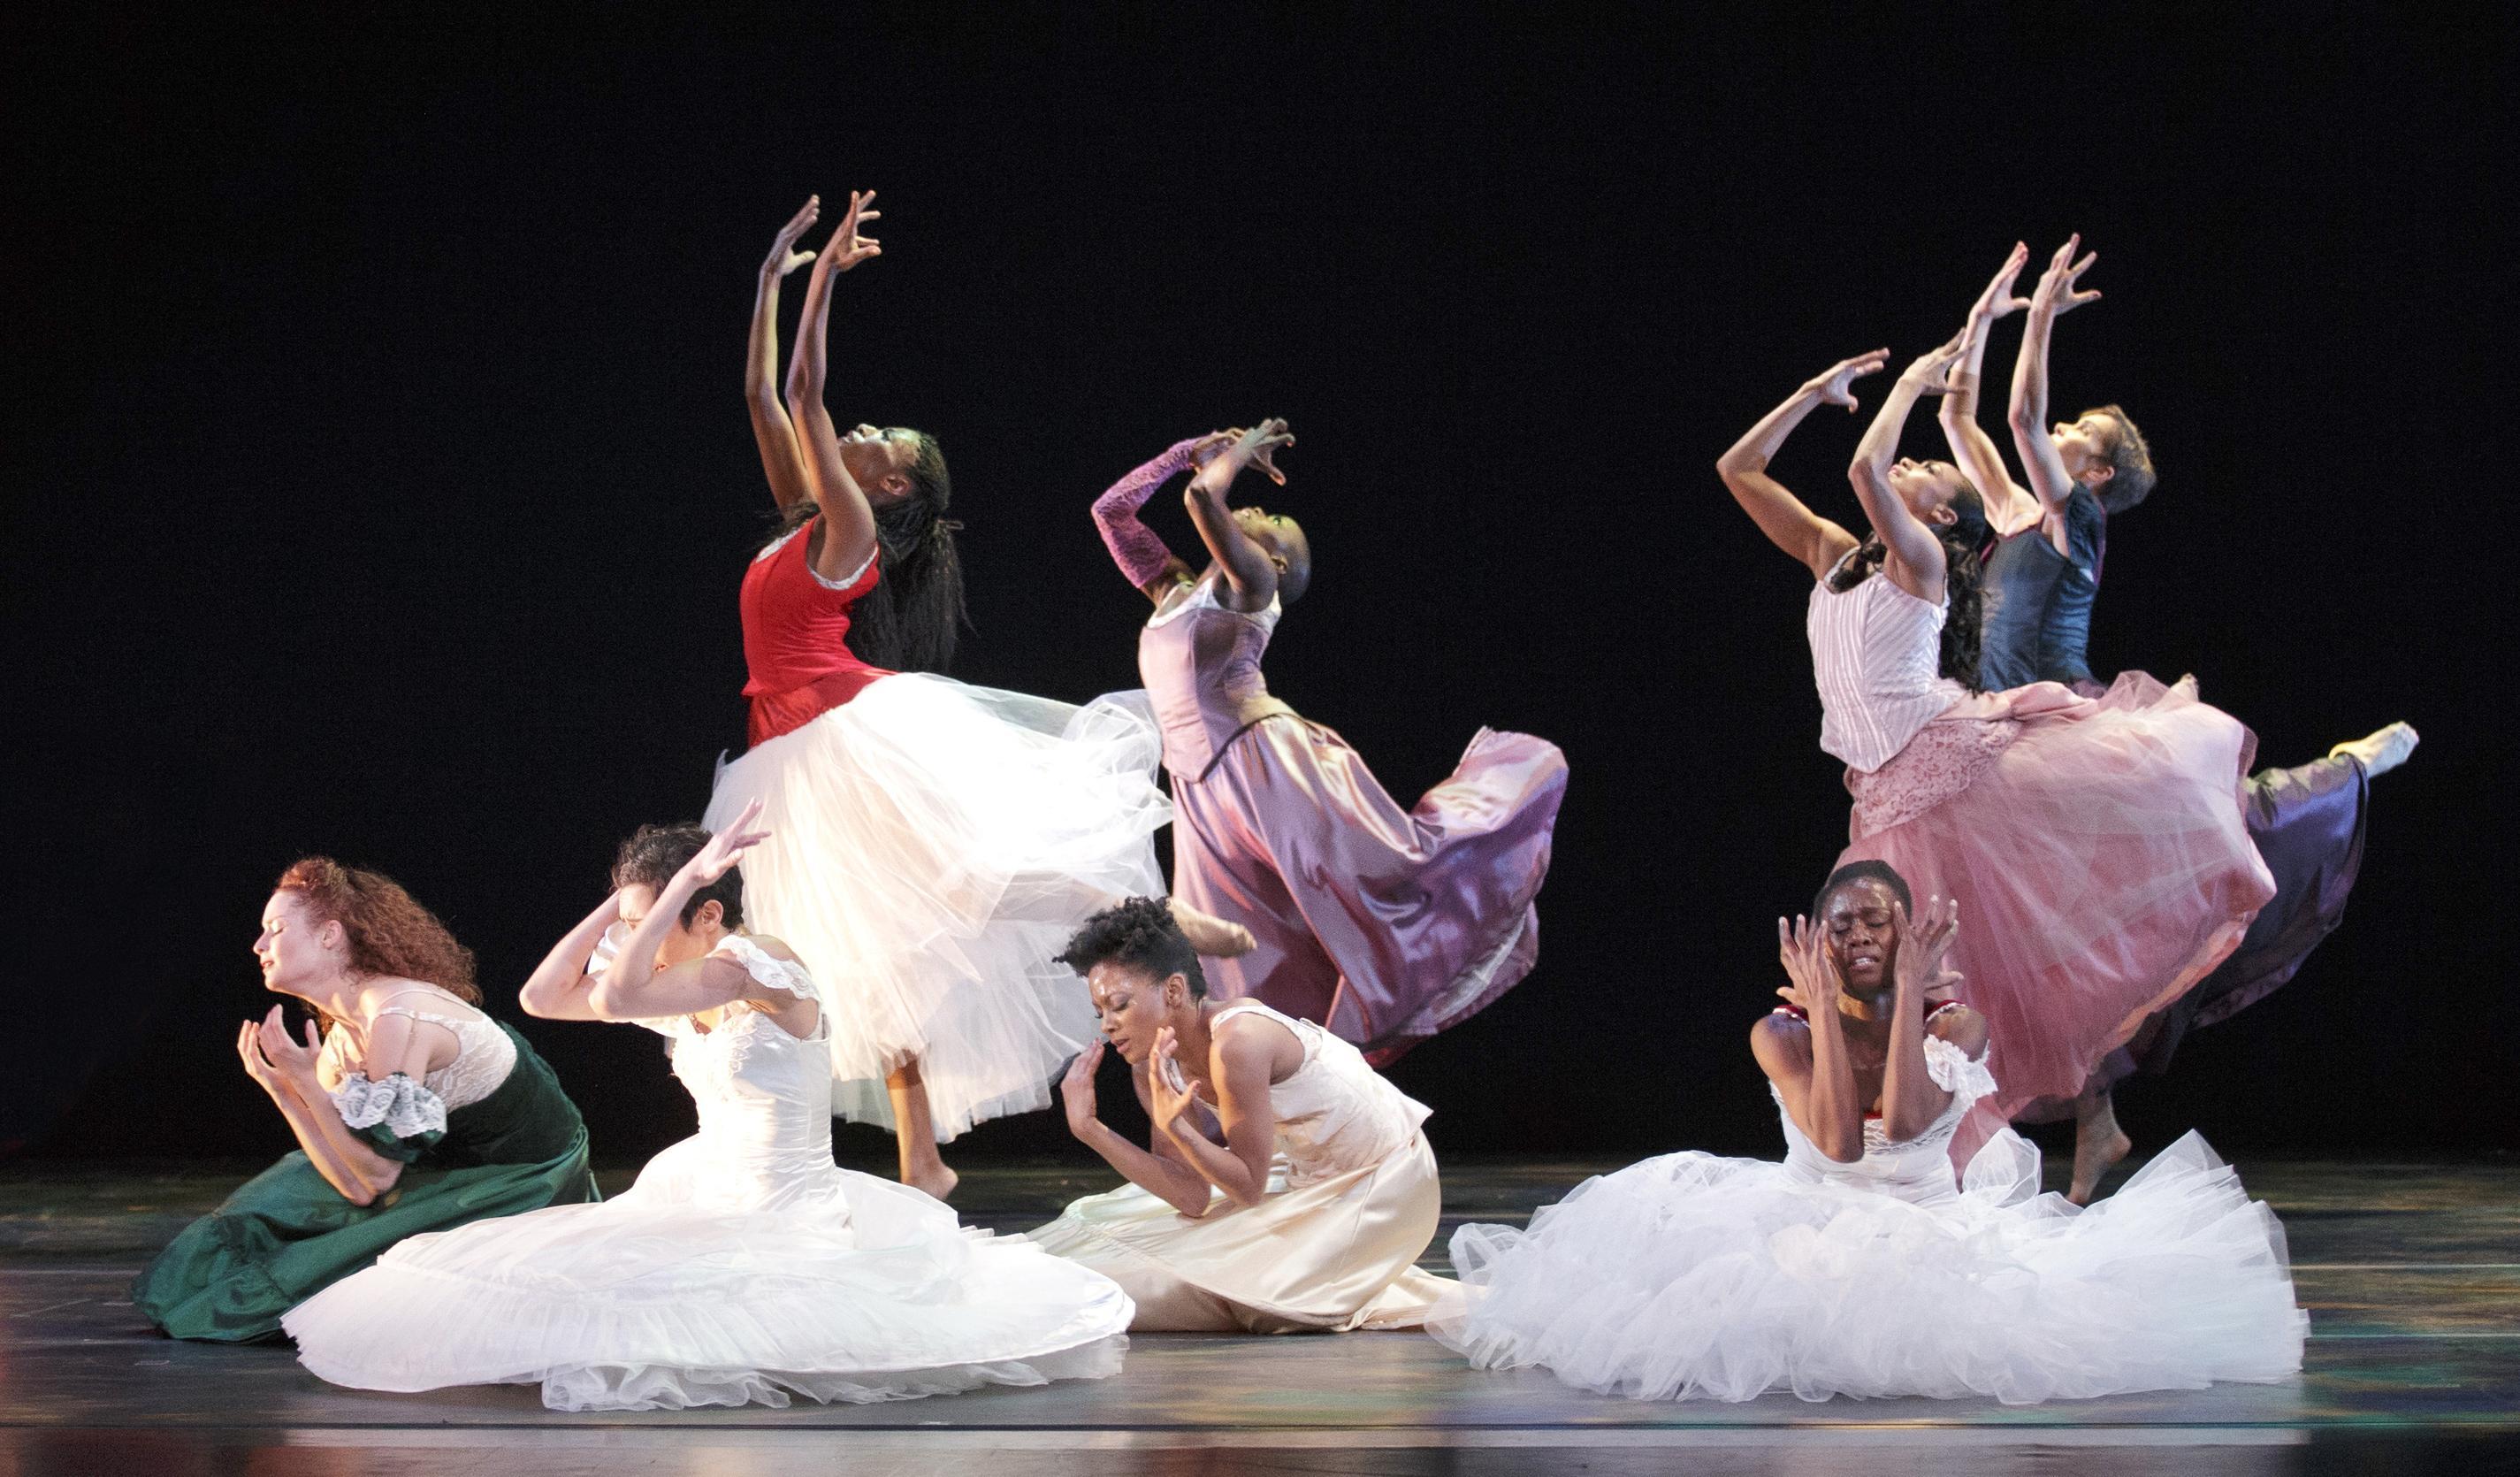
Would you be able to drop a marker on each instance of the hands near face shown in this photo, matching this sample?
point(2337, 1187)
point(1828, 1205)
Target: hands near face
point(1076, 1090)
point(1835, 385)
point(271, 1058)
point(1803, 948)
point(2056, 292)
point(783, 255)
point(726, 848)
point(1168, 1090)
point(1923, 942)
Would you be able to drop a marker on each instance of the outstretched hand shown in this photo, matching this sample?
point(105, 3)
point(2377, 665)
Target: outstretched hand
point(1923, 942)
point(1258, 448)
point(728, 845)
point(1931, 372)
point(849, 244)
point(2058, 290)
point(1835, 385)
point(783, 255)
point(1999, 300)
point(1803, 948)
point(1076, 1090)
point(1212, 445)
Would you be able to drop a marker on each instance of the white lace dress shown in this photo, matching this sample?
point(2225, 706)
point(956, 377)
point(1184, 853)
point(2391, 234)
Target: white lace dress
point(1694, 1277)
point(743, 1267)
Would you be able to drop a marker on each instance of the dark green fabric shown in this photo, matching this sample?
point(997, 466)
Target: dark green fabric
point(286, 1234)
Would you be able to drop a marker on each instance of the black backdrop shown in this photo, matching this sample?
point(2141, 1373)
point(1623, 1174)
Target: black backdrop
point(377, 480)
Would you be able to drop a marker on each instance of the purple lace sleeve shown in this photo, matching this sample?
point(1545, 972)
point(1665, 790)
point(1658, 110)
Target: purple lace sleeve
point(1134, 546)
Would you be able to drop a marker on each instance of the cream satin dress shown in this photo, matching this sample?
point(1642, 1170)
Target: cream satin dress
point(1352, 1202)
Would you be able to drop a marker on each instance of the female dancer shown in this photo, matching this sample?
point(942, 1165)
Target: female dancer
point(2098, 838)
point(930, 844)
point(413, 1111)
point(1311, 1211)
point(1383, 924)
point(2041, 582)
point(1856, 1266)
point(743, 1267)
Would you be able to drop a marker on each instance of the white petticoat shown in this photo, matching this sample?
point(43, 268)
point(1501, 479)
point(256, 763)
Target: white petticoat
point(933, 846)
point(1694, 1277)
point(675, 1295)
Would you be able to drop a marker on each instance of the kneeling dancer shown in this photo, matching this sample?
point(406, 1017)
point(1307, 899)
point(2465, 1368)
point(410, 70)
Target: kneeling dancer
point(743, 1267)
point(1856, 1265)
point(1310, 1213)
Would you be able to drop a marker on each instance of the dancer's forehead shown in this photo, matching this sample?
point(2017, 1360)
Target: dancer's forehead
point(1113, 983)
point(1861, 897)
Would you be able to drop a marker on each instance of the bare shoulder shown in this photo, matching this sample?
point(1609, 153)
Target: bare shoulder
point(1962, 1027)
point(1250, 1037)
point(1781, 1042)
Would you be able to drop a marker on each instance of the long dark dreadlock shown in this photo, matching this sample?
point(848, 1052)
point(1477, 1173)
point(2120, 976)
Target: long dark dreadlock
point(914, 617)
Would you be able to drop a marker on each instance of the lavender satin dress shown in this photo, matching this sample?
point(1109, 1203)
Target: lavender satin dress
point(1383, 924)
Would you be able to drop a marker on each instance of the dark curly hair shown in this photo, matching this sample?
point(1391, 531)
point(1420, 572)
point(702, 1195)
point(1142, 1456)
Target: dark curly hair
point(1962, 540)
point(392, 935)
point(652, 857)
point(1140, 933)
point(913, 618)
point(2130, 460)
point(1867, 870)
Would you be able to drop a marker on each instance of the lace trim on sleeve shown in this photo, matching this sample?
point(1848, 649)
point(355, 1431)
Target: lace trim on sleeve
point(1953, 1071)
point(405, 1107)
point(783, 975)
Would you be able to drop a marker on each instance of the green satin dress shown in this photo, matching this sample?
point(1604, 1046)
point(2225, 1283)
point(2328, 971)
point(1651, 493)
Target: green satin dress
point(286, 1233)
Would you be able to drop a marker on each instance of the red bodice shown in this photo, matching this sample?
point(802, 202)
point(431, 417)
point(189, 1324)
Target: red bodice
point(795, 637)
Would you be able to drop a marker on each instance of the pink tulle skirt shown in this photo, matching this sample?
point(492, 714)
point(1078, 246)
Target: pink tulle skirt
point(2099, 855)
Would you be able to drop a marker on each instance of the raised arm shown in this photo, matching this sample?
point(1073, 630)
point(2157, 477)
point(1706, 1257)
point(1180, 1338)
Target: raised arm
point(848, 519)
point(1916, 551)
point(2009, 508)
point(1135, 547)
point(2055, 295)
point(1817, 1082)
point(1813, 541)
point(1160, 1171)
point(633, 988)
point(773, 432)
point(1247, 567)
point(559, 988)
point(1239, 1067)
point(1910, 1099)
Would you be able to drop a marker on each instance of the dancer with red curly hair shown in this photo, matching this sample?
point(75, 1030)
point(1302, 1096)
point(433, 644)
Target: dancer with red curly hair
point(413, 1111)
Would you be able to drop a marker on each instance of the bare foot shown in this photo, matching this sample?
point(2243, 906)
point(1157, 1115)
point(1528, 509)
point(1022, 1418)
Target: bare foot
point(2097, 1148)
point(1210, 935)
point(2383, 751)
point(937, 1180)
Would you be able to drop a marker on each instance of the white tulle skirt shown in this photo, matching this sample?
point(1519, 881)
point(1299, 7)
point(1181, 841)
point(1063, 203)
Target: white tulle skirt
point(933, 846)
point(1694, 1277)
point(673, 1296)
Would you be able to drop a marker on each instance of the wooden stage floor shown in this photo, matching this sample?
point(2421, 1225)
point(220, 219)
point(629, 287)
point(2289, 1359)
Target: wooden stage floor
point(2412, 1273)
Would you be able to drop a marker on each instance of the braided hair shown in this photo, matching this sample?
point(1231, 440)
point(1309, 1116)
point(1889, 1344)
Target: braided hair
point(914, 617)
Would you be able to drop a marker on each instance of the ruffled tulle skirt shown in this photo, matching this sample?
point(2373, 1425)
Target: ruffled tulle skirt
point(1694, 1277)
point(841, 1287)
point(2099, 855)
point(932, 847)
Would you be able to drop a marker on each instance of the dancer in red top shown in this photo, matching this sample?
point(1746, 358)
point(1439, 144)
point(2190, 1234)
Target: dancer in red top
point(933, 845)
